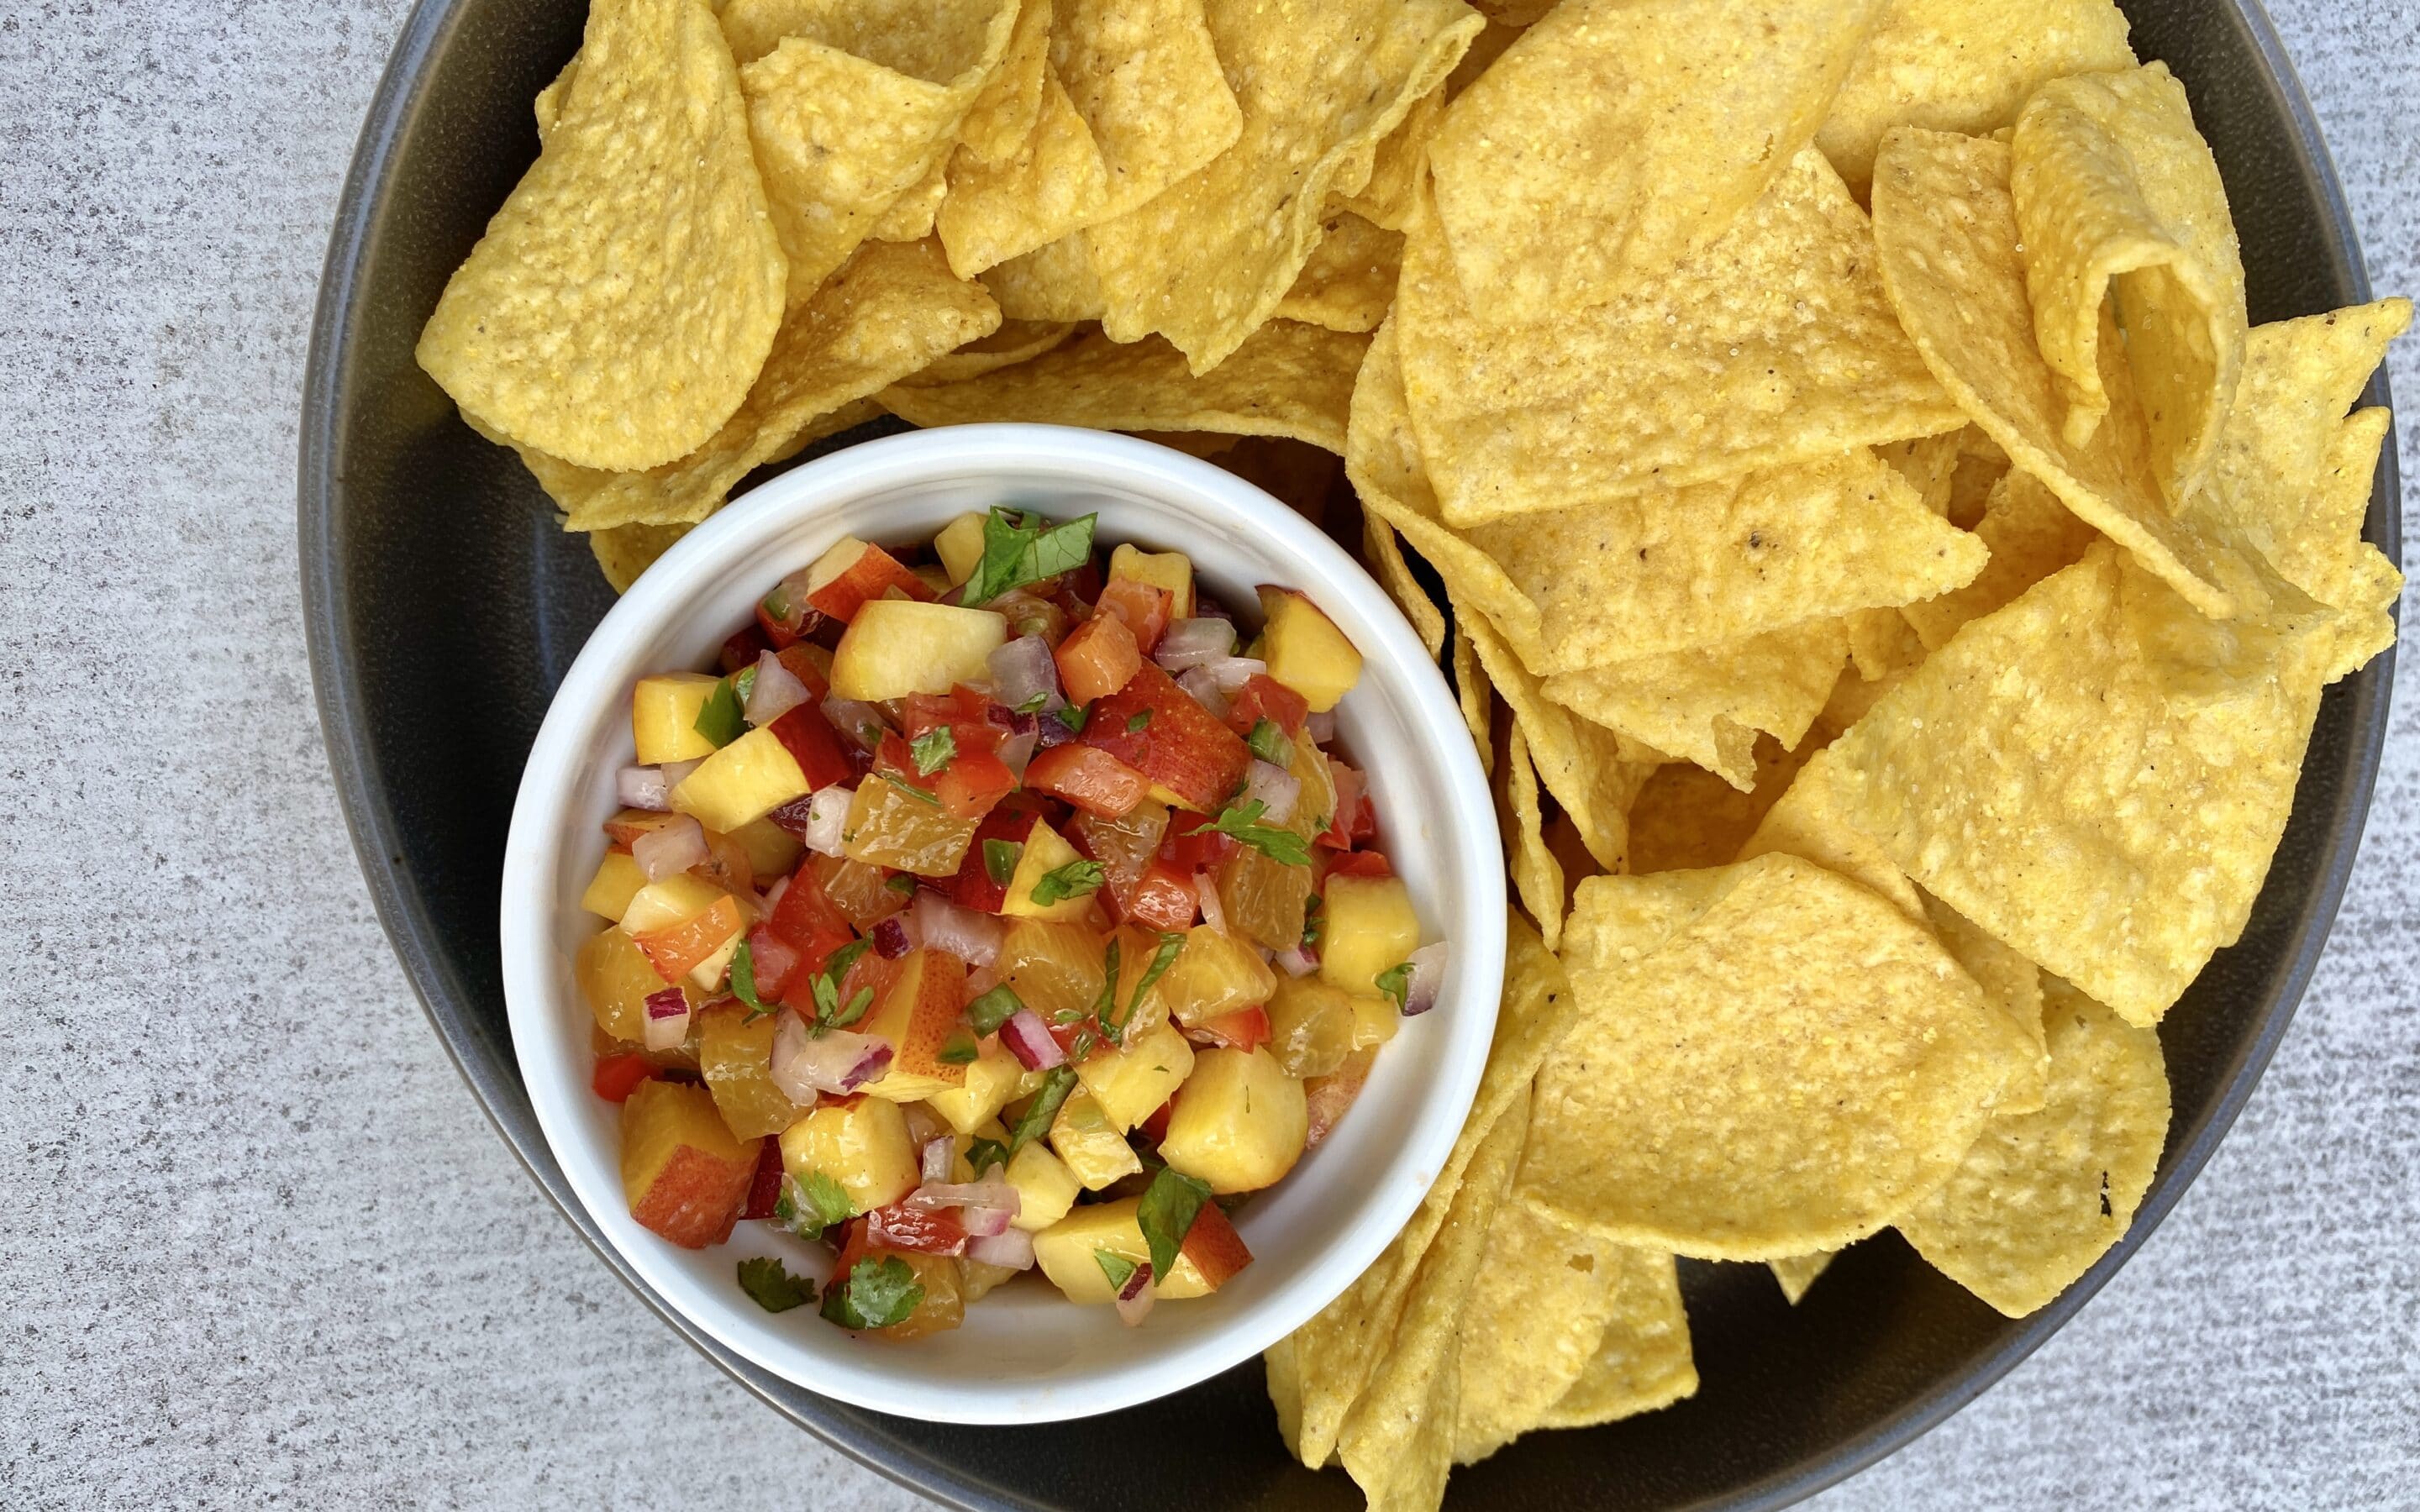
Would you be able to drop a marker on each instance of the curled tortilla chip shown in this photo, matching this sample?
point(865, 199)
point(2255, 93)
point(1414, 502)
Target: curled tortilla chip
point(1287, 380)
point(624, 297)
point(1531, 1331)
point(1686, 818)
point(1002, 115)
point(2118, 197)
point(1707, 705)
point(2041, 1195)
point(1769, 1059)
point(2030, 535)
point(1773, 347)
point(627, 550)
point(1796, 1274)
point(1014, 342)
point(1349, 282)
point(911, 216)
point(1052, 184)
point(1053, 281)
point(1537, 876)
point(1642, 1358)
point(1963, 66)
point(1614, 142)
point(1207, 261)
point(1386, 553)
point(1144, 75)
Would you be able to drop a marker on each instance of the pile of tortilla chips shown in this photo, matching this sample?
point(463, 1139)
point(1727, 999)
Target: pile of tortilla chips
point(1888, 579)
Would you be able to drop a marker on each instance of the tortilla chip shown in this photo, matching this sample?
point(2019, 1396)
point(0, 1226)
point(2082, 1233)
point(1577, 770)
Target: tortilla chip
point(1805, 822)
point(1615, 141)
point(1336, 1352)
point(1530, 1331)
point(2012, 986)
point(911, 216)
point(1774, 347)
point(1971, 485)
point(1797, 1272)
point(1686, 818)
point(1769, 1059)
point(1349, 282)
point(2118, 197)
point(1962, 66)
point(891, 312)
point(627, 550)
point(1051, 185)
point(1537, 874)
point(1385, 554)
point(1206, 262)
point(1145, 77)
point(1642, 1358)
point(548, 107)
point(1707, 705)
point(1053, 281)
point(2095, 775)
point(1397, 1442)
point(2030, 535)
point(1288, 381)
point(1003, 116)
point(1014, 342)
point(2041, 1195)
point(1930, 465)
point(1947, 230)
point(1882, 644)
point(1384, 195)
point(624, 297)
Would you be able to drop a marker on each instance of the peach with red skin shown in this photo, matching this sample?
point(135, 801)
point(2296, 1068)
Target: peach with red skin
point(845, 581)
point(1157, 727)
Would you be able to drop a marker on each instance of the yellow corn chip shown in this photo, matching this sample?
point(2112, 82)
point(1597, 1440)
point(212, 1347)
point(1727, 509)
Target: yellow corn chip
point(1707, 705)
point(1642, 1357)
point(1614, 142)
point(627, 550)
point(1962, 66)
point(1947, 231)
point(1772, 347)
point(934, 39)
point(1970, 486)
point(1882, 644)
point(1145, 77)
point(1206, 262)
point(1930, 465)
point(1383, 195)
point(1538, 875)
point(1349, 282)
point(1015, 342)
point(1798, 1273)
point(548, 103)
point(911, 216)
point(624, 298)
point(1053, 281)
point(2030, 535)
point(1288, 381)
point(1686, 818)
point(2117, 197)
point(1003, 116)
point(2041, 1195)
point(1770, 1060)
point(2012, 986)
point(891, 312)
point(1040, 194)
point(1529, 1333)
point(2094, 773)
point(1385, 554)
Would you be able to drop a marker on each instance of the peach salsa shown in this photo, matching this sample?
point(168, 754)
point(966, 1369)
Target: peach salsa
point(992, 909)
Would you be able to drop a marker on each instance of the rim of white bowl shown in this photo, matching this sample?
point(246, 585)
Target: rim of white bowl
point(536, 976)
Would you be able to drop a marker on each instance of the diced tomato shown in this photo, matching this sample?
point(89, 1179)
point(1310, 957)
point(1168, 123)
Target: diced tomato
point(1157, 1125)
point(1242, 1029)
point(743, 648)
point(873, 574)
point(1359, 864)
point(1089, 778)
point(790, 625)
point(814, 745)
point(1161, 899)
point(1143, 605)
point(974, 886)
point(1357, 818)
point(765, 1190)
point(771, 959)
point(1263, 697)
point(810, 665)
point(901, 1226)
point(1098, 658)
point(965, 712)
point(1192, 847)
point(1157, 727)
point(810, 923)
point(972, 783)
point(617, 1076)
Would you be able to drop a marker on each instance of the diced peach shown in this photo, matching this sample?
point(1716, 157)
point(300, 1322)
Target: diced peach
point(1046, 851)
point(991, 1082)
point(960, 546)
point(852, 572)
point(1045, 1188)
point(1094, 1147)
point(923, 1010)
point(1065, 1251)
point(1325, 1098)
point(895, 647)
point(692, 945)
point(683, 1172)
point(1241, 1124)
point(663, 718)
point(617, 881)
point(1368, 926)
point(1213, 1247)
point(1091, 779)
point(1098, 658)
point(1157, 727)
point(1143, 605)
point(1169, 570)
point(859, 1142)
point(1305, 650)
point(1130, 1082)
point(771, 851)
point(626, 827)
point(743, 781)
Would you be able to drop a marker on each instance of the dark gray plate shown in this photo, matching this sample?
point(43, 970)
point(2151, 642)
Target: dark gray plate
point(444, 605)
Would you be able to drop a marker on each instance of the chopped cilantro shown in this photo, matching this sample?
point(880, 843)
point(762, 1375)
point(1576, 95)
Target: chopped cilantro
point(1000, 860)
point(1116, 1267)
point(904, 884)
point(855, 1008)
point(878, 1294)
point(1161, 960)
point(1140, 720)
point(985, 1152)
point(920, 794)
point(1034, 705)
point(993, 1009)
point(1311, 920)
point(743, 981)
point(1269, 743)
point(1166, 1214)
point(1241, 822)
point(826, 986)
point(720, 720)
point(775, 1289)
point(960, 1049)
point(811, 1203)
point(1018, 549)
point(934, 749)
point(1056, 1084)
point(1076, 879)
point(1396, 982)
point(1073, 718)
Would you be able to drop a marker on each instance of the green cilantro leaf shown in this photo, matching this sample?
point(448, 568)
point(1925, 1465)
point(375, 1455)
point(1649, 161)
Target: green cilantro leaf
point(1311, 920)
point(1000, 860)
point(1241, 822)
point(920, 794)
point(1056, 1084)
point(1161, 960)
point(934, 749)
point(1076, 879)
point(878, 1293)
point(1116, 1267)
point(855, 1008)
point(904, 884)
point(1396, 982)
point(960, 1049)
point(1165, 1213)
point(1140, 720)
point(1269, 743)
point(720, 720)
point(775, 1289)
point(1034, 705)
point(825, 987)
point(985, 1152)
point(1019, 550)
point(993, 1009)
point(811, 1203)
point(744, 983)
point(1073, 718)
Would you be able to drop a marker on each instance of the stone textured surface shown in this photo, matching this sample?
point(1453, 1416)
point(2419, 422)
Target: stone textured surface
point(261, 1248)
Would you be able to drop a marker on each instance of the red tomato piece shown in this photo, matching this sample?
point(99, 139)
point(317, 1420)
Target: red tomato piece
point(972, 783)
point(617, 1076)
point(1143, 605)
point(1157, 727)
point(772, 959)
point(810, 924)
point(1098, 658)
point(1242, 1029)
point(974, 886)
point(743, 648)
point(1190, 847)
point(1089, 778)
point(1161, 899)
point(1359, 864)
point(1157, 1125)
point(765, 1189)
point(1355, 820)
point(813, 744)
point(901, 1226)
point(1263, 697)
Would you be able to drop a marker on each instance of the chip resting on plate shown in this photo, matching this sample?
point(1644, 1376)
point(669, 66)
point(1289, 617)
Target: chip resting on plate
point(624, 298)
point(1530, 1325)
point(2041, 1195)
point(1642, 1360)
point(1768, 1060)
point(2118, 198)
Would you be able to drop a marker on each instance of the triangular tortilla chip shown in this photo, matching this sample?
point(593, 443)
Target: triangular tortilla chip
point(1707, 705)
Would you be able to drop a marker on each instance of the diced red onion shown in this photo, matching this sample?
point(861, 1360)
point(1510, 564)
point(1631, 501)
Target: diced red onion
point(1016, 721)
point(993, 1190)
point(924, 1124)
point(1011, 1250)
point(1214, 908)
point(1190, 643)
point(773, 895)
point(776, 691)
point(1205, 691)
point(838, 1063)
point(1232, 673)
point(1028, 1039)
point(667, 1019)
point(854, 720)
point(676, 773)
point(973, 939)
point(1278, 789)
point(939, 1156)
point(670, 848)
point(1016, 751)
point(890, 939)
point(1428, 975)
point(826, 819)
point(1321, 727)
point(1134, 1298)
point(1024, 670)
point(1295, 961)
point(642, 787)
point(1350, 789)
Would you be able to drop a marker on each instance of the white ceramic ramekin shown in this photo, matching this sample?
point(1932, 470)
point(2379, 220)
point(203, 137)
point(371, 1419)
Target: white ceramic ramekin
point(1024, 1354)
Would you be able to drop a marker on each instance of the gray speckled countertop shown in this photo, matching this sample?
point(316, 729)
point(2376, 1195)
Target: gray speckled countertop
point(263, 1249)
